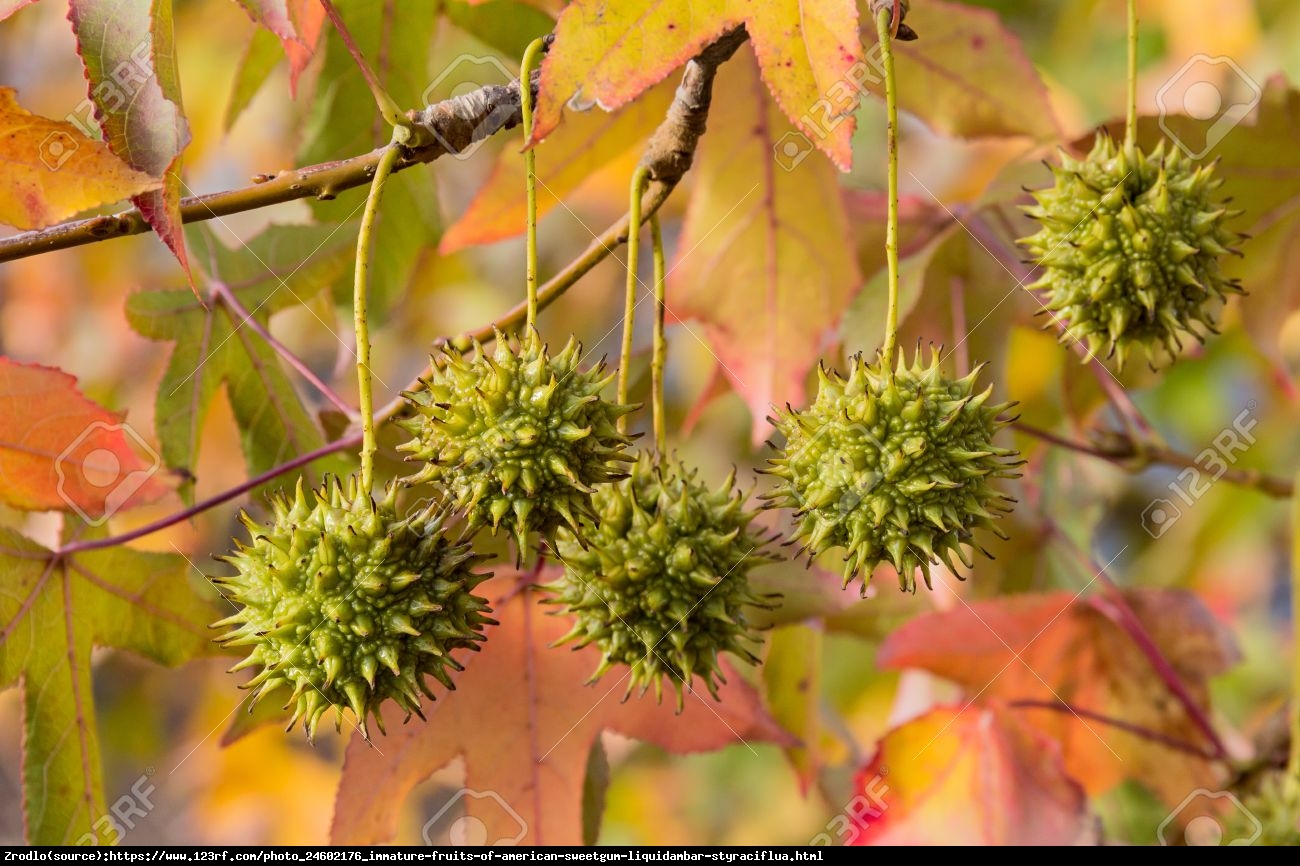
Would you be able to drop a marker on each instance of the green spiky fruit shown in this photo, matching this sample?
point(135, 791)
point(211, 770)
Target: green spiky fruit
point(893, 466)
point(1130, 246)
point(1268, 816)
point(661, 584)
point(518, 436)
point(348, 605)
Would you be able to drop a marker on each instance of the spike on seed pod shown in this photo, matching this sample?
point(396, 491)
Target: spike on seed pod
point(892, 468)
point(519, 437)
point(1130, 247)
point(661, 584)
point(398, 600)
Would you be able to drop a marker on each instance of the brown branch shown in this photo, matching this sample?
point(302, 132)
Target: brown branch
point(1124, 454)
point(449, 126)
point(666, 157)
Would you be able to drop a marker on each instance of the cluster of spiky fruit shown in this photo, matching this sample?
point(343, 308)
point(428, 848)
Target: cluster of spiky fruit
point(661, 583)
point(518, 435)
point(893, 465)
point(1130, 247)
point(348, 605)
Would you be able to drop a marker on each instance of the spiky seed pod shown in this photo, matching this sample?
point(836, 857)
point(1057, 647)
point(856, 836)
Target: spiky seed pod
point(348, 605)
point(518, 436)
point(661, 584)
point(1130, 248)
point(892, 466)
point(1270, 816)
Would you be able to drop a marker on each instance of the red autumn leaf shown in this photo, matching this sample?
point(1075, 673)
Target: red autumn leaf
point(129, 53)
point(971, 775)
point(1059, 648)
point(59, 450)
point(9, 7)
point(296, 23)
point(524, 723)
point(608, 54)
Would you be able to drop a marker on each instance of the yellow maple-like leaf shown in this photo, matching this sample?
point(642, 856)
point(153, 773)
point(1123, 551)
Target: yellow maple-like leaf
point(53, 170)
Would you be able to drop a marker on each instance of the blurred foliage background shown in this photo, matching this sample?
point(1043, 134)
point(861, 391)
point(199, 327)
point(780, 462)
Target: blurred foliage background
point(66, 309)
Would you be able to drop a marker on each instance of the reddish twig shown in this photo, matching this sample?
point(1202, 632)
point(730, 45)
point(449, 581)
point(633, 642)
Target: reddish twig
point(222, 294)
point(1136, 730)
point(1116, 608)
point(342, 444)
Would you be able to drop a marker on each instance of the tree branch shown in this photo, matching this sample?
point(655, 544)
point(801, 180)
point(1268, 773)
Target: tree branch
point(669, 154)
point(1124, 454)
point(449, 126)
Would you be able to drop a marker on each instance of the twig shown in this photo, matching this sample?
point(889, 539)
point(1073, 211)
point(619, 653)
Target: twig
point(1136, 730)
point(531, 54)
point(222, 294)
point(360, 312)
point(445, 127)
point(640, 178)
point(383, 101)
point(343, 444)
point(660, 349)
point(886, 26)
point(1116, 608)
point(668, 156)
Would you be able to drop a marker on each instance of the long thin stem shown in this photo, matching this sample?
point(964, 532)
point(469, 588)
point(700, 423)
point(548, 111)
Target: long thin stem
point(1293, 762)
point(343, 444)
point(222, 293)
point(660, 343)
point(1136, 730)
point(884, 26)
point(360, 296)
point(531, 54)
point(1130, 128)
point(387, 106)
point(639, 180)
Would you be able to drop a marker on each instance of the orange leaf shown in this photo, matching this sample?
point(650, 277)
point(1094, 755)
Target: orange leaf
point(524, 723)
point(1057, 647)
point(586, 143)
point(967, 776)
point(608, 54)
point(59, 450)
point(769, 275)
point(53, 170)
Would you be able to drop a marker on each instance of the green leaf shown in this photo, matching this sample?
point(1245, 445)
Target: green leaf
point(792, 676)
point(343, 122)
point(594, 787)
point(129, 52)
point(863, 327)
point(282, 267)
point(260, 58)
point(54, 612)
point(504, 25)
